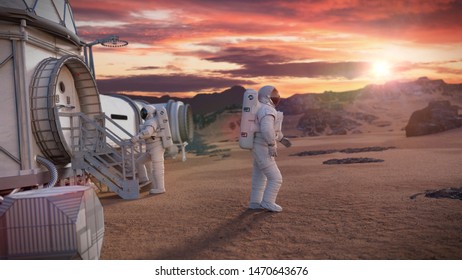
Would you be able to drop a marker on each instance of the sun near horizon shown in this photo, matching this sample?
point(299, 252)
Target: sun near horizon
point(381, 69)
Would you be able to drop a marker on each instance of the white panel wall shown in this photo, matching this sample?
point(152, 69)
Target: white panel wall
point(8, 126)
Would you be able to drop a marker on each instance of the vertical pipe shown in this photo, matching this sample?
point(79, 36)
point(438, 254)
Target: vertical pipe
point(17, 99)
point(92, 66)
point(25, 92)
point(22, 100)
point(85, 52)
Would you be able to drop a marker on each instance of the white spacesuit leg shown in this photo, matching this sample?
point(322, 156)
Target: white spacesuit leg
point(144, 172)
point(274, 177)
point(258, 187)
point(158, 169)
point(148, 168)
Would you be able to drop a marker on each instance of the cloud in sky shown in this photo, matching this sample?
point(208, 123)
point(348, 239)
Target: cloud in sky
point(166, 83)
point(256, 63)
point(191, 46)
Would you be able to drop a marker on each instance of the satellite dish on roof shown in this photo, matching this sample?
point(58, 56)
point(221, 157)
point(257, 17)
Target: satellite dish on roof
point(114, 42)
point(111, 41)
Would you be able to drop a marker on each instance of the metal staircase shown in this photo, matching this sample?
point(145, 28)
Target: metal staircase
point(111, 164)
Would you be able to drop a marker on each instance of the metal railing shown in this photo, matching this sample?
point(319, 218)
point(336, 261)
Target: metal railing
point(111, 164)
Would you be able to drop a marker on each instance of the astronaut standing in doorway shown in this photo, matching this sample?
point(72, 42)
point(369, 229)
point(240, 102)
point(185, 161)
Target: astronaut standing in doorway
point(266, 176)
point(151, 162)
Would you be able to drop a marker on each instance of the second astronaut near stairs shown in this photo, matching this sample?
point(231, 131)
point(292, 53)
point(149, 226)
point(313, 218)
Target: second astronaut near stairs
point(150, 165)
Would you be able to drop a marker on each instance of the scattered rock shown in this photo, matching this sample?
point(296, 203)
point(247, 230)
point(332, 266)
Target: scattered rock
point(315, 153)
point(347, 151)
point(367, 149)
point(381, 123)
point(363, 117)
point(453, 193)
point(323, 121)
point(438, 116)
point(352, 160)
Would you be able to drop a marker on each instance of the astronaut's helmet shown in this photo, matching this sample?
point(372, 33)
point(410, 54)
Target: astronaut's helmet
point(147, 112)
point(269, 95)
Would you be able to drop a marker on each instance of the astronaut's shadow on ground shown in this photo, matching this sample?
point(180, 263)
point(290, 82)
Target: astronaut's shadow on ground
point(241, 225)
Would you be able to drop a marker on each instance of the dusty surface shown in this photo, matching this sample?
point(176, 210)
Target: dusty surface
point(353, 211)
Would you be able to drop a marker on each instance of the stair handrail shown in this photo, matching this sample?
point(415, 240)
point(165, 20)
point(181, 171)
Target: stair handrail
point(128, 148)
point(129, 135)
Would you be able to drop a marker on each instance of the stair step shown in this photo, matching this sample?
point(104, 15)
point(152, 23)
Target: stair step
point(101, 160)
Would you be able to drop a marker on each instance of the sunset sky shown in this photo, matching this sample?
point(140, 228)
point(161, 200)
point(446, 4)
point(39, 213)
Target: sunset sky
point(186, 47)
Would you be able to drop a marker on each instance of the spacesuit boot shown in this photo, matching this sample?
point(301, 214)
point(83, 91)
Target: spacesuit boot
point(274, 184)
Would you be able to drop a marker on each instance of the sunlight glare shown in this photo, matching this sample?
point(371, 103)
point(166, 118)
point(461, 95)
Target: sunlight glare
point(381, 69)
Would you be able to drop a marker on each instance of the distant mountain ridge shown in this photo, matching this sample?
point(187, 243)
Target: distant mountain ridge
point(204, 103)
point(393, 90)
point(386, 107)
point(374, 108)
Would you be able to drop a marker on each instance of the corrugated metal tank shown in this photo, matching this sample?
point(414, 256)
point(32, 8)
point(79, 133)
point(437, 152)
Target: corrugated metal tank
point(52, 223)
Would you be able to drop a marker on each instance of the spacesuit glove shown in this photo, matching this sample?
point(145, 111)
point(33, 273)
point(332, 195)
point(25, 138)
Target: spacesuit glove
point(272, 151)
point(286, 142)
point(135, 139)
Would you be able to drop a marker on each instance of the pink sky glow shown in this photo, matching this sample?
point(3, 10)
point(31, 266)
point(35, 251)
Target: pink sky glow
point(182, 48)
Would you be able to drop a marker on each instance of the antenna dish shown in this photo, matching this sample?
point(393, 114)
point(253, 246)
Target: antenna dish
point(114, 42)
point(111, 41)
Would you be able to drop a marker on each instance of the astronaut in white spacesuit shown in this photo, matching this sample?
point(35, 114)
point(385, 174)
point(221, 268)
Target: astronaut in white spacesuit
point(151, 162)
point(266, 177)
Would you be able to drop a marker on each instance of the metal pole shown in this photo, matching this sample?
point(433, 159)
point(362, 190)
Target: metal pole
point(92, 66)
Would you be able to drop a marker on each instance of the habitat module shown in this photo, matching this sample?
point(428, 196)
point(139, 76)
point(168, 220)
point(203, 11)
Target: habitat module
point(59, 133)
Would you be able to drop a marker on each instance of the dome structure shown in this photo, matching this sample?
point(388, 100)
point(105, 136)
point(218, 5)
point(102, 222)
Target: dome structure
point(53, 16)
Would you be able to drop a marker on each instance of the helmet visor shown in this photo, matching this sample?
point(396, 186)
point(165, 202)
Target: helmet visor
point(275, 97)
point(144, 113)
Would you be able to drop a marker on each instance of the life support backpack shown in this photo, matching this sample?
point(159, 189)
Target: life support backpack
point(249, 126)
point(164, 132)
